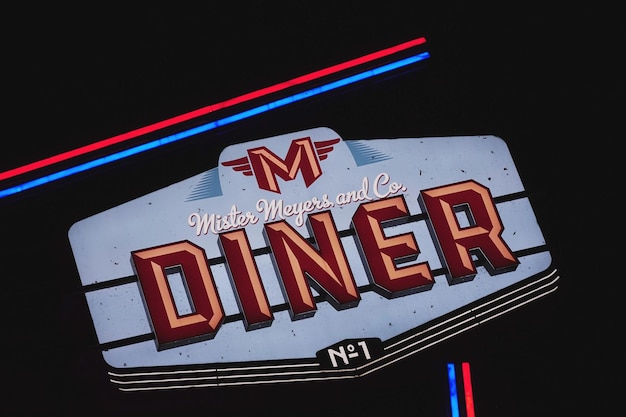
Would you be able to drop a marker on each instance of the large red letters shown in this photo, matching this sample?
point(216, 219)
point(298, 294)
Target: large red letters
point(320, 261)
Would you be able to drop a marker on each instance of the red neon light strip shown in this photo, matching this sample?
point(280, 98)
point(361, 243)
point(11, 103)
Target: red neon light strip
point(208, 109)
point(467, 386)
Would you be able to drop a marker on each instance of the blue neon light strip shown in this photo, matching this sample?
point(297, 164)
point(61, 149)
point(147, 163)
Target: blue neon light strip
point(454, 399)
point(212, 125)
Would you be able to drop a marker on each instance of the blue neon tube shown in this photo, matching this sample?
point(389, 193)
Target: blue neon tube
point(212, 125)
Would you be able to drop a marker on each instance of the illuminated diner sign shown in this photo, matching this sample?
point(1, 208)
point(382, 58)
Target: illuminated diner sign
point(306, 256)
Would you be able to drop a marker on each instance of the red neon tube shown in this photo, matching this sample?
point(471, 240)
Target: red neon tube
point(467, 386)
point(208, 109)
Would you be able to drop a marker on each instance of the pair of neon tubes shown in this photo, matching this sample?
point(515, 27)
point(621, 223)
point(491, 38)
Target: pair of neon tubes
point(245, 98)
point(467, 393)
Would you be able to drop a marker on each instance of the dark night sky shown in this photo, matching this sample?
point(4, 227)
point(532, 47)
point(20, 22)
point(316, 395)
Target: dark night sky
point(545, 81)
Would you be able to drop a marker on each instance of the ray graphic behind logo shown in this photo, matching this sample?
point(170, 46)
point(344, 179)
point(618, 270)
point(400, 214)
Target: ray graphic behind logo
point(374, 250)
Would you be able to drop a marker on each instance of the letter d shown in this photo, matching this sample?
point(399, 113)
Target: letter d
point(170, 327)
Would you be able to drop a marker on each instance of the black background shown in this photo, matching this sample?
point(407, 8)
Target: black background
point(545, 80)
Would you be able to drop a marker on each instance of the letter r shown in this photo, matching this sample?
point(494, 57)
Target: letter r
point(483, 235)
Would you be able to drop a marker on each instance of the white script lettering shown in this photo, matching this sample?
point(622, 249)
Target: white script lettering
point(278, 209)
point(217, 223)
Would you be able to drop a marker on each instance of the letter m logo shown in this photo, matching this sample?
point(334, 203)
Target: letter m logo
point(303, 155)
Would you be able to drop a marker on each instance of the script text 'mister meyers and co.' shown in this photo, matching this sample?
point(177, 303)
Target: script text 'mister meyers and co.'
point(380, 187)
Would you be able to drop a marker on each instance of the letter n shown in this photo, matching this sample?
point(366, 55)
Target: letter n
point(172, 328)
point(326, 266)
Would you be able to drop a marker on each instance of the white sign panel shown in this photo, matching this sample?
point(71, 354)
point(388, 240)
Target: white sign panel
point(306, 256)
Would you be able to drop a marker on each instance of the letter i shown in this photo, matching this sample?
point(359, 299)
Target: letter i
point(245, 279)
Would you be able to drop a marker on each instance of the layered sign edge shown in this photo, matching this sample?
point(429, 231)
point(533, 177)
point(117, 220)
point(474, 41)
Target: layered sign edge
point(388, 352)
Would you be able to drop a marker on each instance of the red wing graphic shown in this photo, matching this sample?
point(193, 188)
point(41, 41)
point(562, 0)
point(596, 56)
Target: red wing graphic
point(240, 165)
point(324, 147)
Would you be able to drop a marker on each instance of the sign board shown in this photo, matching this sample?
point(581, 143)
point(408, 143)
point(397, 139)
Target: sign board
point(306, 256)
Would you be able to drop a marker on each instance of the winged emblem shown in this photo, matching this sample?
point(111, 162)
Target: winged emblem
point(322, 148)
point(303, 156)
